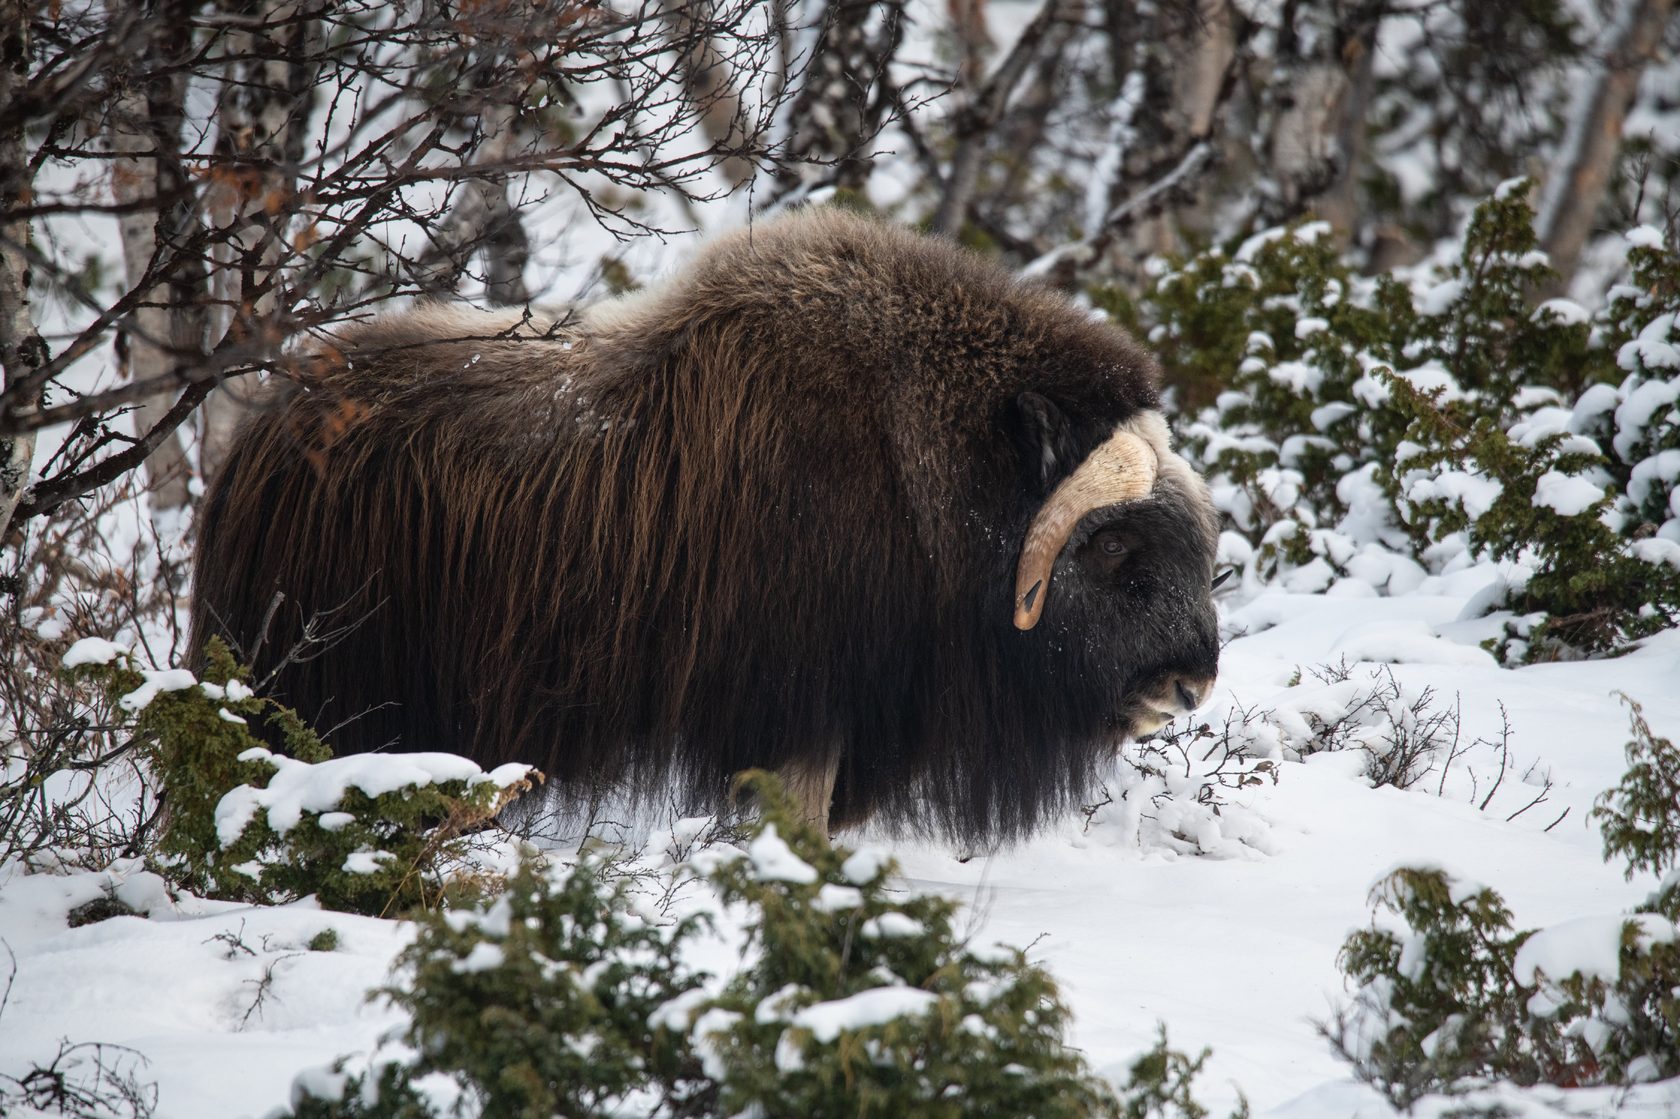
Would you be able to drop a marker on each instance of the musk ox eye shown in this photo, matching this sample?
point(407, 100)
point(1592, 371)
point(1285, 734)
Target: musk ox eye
point(1107, 550)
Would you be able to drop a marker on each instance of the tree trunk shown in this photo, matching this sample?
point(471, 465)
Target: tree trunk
point(974, 123)
point(22, 350)
point(262, 120)
point(484, 224)
point(1318, 97)
point(844, 95)
point(1574, 189)
point(149, 182)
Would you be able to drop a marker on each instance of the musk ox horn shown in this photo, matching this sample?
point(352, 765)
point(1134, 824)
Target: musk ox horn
point(1121, 470)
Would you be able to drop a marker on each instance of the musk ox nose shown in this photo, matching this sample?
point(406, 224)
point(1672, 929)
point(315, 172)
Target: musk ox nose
point(1190, 692)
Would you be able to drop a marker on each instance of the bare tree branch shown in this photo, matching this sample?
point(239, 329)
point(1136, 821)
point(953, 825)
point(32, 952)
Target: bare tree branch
point(975, 121)
point(334, 155)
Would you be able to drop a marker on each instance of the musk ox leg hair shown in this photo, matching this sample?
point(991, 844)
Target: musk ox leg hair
point(811, 789)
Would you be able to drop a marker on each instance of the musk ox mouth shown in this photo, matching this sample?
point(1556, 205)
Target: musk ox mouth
point(1179, 695)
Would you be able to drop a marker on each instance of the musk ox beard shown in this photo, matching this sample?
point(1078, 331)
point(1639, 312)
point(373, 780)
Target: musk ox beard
point(838, 501)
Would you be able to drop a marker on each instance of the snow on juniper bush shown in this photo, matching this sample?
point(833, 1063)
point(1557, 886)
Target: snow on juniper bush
point(571, 995)
point(1430, 418)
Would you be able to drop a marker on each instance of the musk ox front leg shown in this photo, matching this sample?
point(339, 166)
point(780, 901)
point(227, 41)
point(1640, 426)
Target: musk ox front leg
point(810, 788)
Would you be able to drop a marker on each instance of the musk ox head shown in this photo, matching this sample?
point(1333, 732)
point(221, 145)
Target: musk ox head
point(1128, 538)
point(836, 500)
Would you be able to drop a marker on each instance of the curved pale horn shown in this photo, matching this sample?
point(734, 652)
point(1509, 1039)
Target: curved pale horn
point(1122, 469)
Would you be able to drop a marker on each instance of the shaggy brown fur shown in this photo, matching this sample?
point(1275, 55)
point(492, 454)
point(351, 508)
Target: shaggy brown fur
point(765, 515)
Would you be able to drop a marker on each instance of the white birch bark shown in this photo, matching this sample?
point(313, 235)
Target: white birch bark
point(152, 331)
point(1574, 189)
point(22, 350)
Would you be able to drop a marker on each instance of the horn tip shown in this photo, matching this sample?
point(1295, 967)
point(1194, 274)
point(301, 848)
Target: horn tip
point(1029, 606)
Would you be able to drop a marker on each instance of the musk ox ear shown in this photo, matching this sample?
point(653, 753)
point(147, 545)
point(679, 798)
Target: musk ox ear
point(1049, 449)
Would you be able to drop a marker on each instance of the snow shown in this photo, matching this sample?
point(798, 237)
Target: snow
point(93, 650)
point(1644, 237)
point(156, 682)
point(1405, 641)
point(1567, 494)
point(300, 787)
point(1233, 949)
point(366, 862)
point(1476, 493)
point(1436, 299)
point(483, 956)
point(892, 925)
point(713, 1021)
point(835, 899)
point(1642, 405)
point(863, 866)
point(1589, 945)
point(874, 1007)
point(1565, 312)
point(1657, 550)
point(774, 861)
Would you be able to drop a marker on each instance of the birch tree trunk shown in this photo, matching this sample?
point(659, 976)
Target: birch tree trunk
point(148, 183)
point(1317, 99)
point(843, 97)
point(1574, 189)
point(263, 117)
point(973, 125)
point(484, 224)
point(22, 350)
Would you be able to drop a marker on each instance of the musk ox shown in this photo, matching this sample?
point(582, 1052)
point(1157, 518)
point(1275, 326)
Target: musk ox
point(837, 501)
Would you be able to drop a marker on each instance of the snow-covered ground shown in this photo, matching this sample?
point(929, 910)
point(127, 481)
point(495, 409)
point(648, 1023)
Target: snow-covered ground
point(1235, 949)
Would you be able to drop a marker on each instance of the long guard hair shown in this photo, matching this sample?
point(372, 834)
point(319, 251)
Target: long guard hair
point(767, 514)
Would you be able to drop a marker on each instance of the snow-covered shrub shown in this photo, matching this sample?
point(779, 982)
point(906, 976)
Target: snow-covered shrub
point(1437, 1004)
point(865, 999)
point(1402, 731)
point(1640, 817)
point(1578, 497)
point(1640, 426)
point(1539, 495)
point(543, 1002)
point(1281, 336)
point(1173, 790)
point(1452, 995)
point(367, 834)
point(572, 995)
point(1362, 427)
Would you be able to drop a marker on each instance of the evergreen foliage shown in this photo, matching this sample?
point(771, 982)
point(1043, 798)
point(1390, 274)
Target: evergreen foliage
point(367, 835)
point(571, 994)
point(1438, 414)
point(1453, 996)
point(1640, 817)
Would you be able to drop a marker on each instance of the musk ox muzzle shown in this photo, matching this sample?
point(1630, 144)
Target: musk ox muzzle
point(836, 501)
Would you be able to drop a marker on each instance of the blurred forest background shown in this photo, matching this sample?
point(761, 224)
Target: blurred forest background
point(191, 186)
